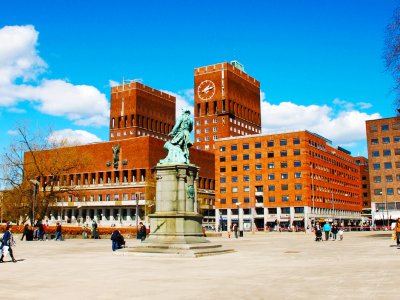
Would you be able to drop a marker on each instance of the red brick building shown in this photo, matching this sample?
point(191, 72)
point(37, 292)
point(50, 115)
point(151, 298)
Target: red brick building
point(114, 187)
point(383, 139)
point(286, 179)
point(226, 104)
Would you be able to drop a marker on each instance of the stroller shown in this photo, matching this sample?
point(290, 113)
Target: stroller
point(318, 233)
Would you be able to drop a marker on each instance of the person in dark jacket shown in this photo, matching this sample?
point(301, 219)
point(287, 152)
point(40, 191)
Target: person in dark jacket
point(8, 241)
point(117, 240)
point(142, 231)
point(24, 233)
point(58, 232)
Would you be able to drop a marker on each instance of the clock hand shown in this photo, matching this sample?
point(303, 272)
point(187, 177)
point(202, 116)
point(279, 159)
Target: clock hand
point(207, 88)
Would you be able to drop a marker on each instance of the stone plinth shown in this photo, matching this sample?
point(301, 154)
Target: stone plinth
point(176, 225)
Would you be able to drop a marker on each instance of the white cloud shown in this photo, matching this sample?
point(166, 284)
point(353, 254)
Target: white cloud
point(19, 59)
point(346, 127)
point(73, 137)
point(16, 110)
point(12, 132)
point(113, 83)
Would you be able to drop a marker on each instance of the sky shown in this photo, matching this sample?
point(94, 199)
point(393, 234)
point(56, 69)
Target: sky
point(319, 62)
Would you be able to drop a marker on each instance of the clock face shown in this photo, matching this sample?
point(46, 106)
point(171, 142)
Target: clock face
point(206, 90)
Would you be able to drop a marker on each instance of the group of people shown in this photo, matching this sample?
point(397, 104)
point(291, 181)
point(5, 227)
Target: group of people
point(40, 232)
point(118, 241)
point(333, 232)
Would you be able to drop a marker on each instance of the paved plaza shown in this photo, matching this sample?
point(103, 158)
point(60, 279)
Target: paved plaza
point(365, 265)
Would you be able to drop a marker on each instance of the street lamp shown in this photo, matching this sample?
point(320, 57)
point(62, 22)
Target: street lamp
point(312, 191)
point(333, 209)
point(35, 188)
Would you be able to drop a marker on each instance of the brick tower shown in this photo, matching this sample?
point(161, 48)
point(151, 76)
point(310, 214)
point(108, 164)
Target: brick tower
point(139, 110)
point(227, 103)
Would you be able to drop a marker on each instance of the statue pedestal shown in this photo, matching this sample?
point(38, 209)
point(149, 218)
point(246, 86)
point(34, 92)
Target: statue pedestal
point(176, 226)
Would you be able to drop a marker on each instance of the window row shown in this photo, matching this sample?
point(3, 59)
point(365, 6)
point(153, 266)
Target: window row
point(389, 191)
point(385, 152)
point(384, 127)
point(385, 140)
point(271, 143)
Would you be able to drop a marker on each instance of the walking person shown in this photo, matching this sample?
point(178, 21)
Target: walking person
point(327, 230)
point(142, 231)
point(334, 230)
point(6, 245)
point(45, 231)
point(397, 232)
point(94, 229)
point(25, 231)
point(318, 232)
point(235, 230)
point(58, 232)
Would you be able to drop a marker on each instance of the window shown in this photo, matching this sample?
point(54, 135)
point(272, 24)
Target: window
point(389, 191)
point(222, 179)
point(245, 157)
point(283, 142)
point(297, 175)
point(234, 179)
point(222, 148)
point(296, 141)
point(270, 143)
point(271, 188)
point(396, 139)
point(396, 126)
point(375, 153)
point(234, 190)
point(299, 210)
point(270, 154)
point(385, 127)
point(397, 164)
point(271, 176)
point(271, 165)
point(222, 169)
point(234, 200)
point(284, 187)
point(376, 166)
point(296, 152)
point(398, 177)
point(271, 199)
point(233, 147)
point(258, 155)
point(377, 192)
point(258, 177)
point(298, 186)
point(389, 178)
point(283, 153)
point(285, 198)
point(223, 201)
point(246, 167)
point(297, 163)
point(386, 140)
point(284, 164)
point(222, 190)
point(258, 166)
point(234, 158)
point(298, 198)
point(215, 129)
point(246, 189)
point(258, 145)
point(373, 128)
point(222, 159)
point(245, 146)
point(246, 200)
point(374, 141)
point(207, 130)
point(377, 179)
point(397, 151)
point(234, 168)
point(284, 176)
point(387, 165)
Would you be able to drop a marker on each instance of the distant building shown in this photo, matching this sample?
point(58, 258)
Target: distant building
point(288, 179)
point(383, 139)
point(366, 193)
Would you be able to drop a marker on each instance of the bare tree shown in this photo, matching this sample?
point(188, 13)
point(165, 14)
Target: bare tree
point(35, 157)
point(392, 53)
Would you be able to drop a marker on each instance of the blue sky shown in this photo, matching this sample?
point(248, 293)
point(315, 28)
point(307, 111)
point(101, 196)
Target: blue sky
point(319, 62)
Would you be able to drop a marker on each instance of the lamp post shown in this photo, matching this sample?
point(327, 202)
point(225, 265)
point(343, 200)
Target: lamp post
point(137, 213)
point(240, 224)
point(312, 192)
point(35, 187)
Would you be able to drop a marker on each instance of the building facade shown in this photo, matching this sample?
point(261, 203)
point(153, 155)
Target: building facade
point(365, 186)
point(226, 104)
point(383, 139)
point(285, 180)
